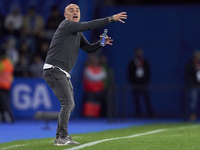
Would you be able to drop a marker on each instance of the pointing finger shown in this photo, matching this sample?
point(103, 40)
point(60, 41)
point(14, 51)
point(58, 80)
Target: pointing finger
point(121, 21)
point(123, 13)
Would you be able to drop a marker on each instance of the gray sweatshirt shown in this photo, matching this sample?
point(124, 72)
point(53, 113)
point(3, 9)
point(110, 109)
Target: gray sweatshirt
point(67, 40)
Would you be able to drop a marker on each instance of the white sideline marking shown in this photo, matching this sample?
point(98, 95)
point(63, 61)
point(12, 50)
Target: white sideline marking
point(14, 146)
point(131, 136)
point(104, 140)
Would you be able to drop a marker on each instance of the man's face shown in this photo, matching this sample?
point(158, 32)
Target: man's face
point(139, 52)
point(15, 12)
point(31, 12)
point(72, 13)
point(197, 57)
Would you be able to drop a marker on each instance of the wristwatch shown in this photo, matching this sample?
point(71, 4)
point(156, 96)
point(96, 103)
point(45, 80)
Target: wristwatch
point(111, 19)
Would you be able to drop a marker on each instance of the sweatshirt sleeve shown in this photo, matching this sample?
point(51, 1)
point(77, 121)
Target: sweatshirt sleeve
point(88, 47)
point(72, 27)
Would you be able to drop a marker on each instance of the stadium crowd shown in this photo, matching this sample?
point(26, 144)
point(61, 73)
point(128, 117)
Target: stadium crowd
point(26, 38)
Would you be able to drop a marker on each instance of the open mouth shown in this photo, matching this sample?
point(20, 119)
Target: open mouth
point(75, 17)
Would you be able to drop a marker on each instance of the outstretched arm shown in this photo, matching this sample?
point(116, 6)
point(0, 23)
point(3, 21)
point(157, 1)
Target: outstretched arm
point(94, 24)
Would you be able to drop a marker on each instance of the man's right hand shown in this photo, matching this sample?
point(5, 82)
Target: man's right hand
point(120, 16)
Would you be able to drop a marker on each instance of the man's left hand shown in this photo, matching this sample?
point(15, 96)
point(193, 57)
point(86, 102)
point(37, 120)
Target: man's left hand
point(108, 40)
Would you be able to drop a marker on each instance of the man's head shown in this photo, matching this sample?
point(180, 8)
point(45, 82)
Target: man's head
point(93, 60)
point(55, 10)
point(197, 56)
point(15, 10)
point(32, 10)
point(2, 53)
point(139, 52)
point(72, 13)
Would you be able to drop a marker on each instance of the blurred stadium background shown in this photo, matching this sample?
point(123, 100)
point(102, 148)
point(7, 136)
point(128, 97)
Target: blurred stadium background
point(168, 31)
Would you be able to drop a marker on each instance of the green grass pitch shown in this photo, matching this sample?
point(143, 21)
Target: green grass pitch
point(182, 136)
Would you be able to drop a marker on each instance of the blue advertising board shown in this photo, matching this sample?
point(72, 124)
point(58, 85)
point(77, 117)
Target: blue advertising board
point(29, 95)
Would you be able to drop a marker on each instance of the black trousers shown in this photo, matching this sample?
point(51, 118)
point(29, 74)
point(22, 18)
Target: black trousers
point(5, 108)
point(62, 88)
point(137, 93)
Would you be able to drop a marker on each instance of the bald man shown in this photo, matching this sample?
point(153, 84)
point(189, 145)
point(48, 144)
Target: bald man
point(61, 57)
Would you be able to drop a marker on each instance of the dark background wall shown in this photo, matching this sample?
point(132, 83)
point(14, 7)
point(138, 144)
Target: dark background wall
point(168, 36)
